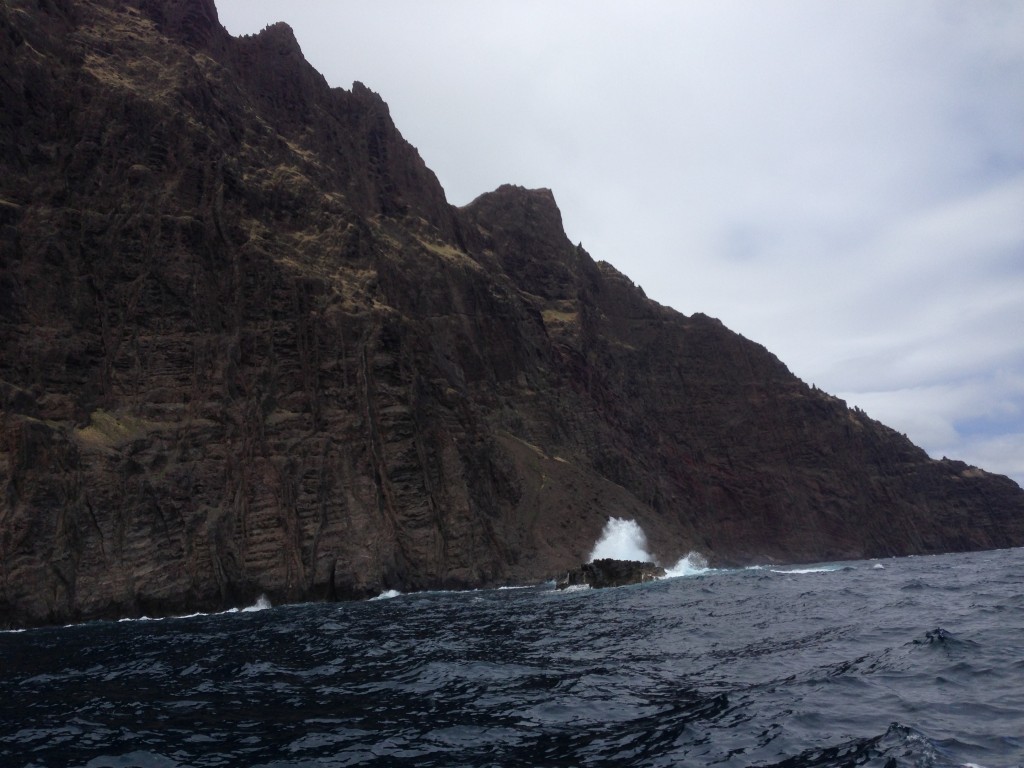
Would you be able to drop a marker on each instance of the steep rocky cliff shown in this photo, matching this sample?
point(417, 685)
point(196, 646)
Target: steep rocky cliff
point(246, 346)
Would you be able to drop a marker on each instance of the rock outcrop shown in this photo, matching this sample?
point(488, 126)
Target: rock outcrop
point(607, 572)
point(247, 347)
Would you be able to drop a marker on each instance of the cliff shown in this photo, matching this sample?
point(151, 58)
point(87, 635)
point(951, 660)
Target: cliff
point(246, 346)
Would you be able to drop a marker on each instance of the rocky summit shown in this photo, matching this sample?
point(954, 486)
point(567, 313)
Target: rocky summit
point(247, 347)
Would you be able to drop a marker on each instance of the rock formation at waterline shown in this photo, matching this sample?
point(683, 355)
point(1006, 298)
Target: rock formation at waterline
point(246, 346)
point(608, 572)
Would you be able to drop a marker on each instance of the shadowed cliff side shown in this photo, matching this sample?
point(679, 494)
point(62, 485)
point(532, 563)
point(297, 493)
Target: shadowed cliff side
point(247, 347)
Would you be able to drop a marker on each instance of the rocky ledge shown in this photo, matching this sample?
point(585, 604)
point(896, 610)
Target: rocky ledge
point(608, 572)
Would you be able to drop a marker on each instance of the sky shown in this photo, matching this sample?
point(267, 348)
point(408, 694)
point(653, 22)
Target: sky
point(841, 182)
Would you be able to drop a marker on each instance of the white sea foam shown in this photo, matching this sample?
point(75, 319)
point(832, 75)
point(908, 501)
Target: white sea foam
point(576, 588)
point(817, 569)
point(387, 594)
point(693, 564)
point(261, 604)
point(621, 540)
point(625, 540)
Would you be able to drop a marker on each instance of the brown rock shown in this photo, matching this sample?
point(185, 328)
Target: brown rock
point(247, 347)
point(607, 572)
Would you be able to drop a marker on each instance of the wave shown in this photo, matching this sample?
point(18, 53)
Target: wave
point(387, 594)
point(813, 569)
point(693, 564)
point(729, 667)
point(899, 742)
point(624, 539)
point(262, 603)
point(943, 638)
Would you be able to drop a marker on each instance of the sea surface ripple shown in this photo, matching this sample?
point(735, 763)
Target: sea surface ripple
point(906, 662)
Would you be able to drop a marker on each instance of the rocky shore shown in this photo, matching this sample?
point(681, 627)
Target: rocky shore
point(608, 572)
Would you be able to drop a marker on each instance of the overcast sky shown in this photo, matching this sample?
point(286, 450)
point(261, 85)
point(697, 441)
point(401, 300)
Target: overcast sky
point(842, 182)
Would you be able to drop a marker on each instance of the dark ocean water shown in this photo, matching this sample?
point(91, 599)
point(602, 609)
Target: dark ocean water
point(908, 662)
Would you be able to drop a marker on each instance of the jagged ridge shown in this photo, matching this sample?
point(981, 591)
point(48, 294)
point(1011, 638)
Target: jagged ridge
point(248, 347)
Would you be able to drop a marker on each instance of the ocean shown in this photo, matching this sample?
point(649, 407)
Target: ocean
point(903, 662)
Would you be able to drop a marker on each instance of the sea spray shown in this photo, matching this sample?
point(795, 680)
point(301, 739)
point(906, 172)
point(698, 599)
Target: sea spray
point(693, 564)
point(625, 540)
point(262, 603)
point(621, 540)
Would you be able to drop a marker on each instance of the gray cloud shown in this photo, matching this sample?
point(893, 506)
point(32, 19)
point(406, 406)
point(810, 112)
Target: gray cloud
point(841, 182)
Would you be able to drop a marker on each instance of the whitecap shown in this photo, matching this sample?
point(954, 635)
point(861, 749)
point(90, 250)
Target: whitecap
point(387, 594)
point(693, 564)
point(261, 604)
point(818, 569)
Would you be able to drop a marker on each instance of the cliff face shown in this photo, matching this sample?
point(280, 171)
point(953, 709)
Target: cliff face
point(247, 347)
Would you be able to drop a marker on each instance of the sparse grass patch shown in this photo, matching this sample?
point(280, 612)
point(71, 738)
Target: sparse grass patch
point(444, 250)
point(105, 430)
point(559, 316)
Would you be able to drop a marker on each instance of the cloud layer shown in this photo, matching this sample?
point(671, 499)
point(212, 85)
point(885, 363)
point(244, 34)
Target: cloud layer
point(843, 183)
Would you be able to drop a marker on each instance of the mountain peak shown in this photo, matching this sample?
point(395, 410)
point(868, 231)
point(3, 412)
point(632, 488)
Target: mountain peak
point(519, 197)
point(513, 206)
point(280, 38)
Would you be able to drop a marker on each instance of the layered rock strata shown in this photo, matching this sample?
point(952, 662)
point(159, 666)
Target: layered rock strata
point(247, 347)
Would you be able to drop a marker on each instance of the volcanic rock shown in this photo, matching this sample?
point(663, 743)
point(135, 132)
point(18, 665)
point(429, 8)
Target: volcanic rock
point(247, 347)
point(607, 572)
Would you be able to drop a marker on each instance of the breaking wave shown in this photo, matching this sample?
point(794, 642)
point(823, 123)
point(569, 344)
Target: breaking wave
point(693, 564)
point(625, 540)
point(814, 569)
point(262, 603)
